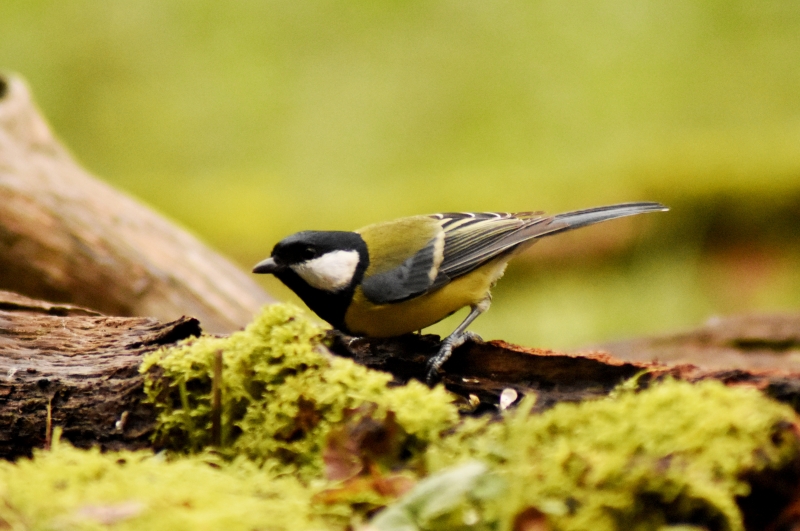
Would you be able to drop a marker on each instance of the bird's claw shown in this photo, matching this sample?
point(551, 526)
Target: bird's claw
point(445, 351)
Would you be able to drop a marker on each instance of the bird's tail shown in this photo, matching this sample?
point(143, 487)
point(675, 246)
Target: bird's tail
point(540, 227)
point(590, 216)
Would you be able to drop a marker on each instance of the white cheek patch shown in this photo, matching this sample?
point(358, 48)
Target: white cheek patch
point(329, 272)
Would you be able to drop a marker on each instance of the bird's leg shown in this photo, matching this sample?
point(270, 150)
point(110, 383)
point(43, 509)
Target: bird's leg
point(455, 340)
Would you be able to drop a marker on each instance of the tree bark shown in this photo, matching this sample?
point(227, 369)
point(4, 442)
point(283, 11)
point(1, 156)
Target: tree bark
point(487, 374)
point(65, 236)
point(68, 367)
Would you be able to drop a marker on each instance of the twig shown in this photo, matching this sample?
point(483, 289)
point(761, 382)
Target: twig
point(48, 437)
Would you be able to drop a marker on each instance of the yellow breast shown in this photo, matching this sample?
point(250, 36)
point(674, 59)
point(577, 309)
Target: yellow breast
point(389, 320)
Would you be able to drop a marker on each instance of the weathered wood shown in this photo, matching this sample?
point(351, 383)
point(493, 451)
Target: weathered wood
point(81, 369)
point(65, 236)
point(481, 371)
point(751, 341)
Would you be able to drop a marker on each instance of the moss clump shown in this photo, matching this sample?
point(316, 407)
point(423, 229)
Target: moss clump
point(282, 394)
point(676, 453)
point(67, 488)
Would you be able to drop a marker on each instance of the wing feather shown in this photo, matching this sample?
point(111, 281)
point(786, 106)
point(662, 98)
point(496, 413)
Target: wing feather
point(472, 244)
point(405, 281)
point(464, 241)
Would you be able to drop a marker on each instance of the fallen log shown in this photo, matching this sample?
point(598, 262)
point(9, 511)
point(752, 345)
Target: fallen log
point(70, 367)
point(66, 236)
point(488, 374)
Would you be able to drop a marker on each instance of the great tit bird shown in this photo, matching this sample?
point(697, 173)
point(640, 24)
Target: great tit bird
point(396, 277)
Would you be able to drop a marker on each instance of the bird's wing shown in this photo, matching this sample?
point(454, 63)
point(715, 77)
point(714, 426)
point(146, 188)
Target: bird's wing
point(462, 242)
point(472, 239)
point(475, 239)
point(407, 260)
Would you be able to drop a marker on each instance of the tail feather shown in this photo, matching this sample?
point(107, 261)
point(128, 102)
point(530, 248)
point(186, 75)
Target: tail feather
point(582, 218)
point(456, 264)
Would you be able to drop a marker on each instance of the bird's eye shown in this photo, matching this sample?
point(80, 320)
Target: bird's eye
point(309, 253)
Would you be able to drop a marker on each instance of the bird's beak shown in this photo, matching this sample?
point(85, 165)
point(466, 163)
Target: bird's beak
point(267, 266)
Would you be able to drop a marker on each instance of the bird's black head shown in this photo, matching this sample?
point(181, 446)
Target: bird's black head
point(322, 267)
point(310, 244)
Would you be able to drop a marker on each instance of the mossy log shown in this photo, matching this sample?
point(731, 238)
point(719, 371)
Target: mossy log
point(66, 236)
point(69, 367)
point(482, 372)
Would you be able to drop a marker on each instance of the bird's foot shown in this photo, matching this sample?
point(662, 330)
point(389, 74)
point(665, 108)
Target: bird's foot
point(452, 341)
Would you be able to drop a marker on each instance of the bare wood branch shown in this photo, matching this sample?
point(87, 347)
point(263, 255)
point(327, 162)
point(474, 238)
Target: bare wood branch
point(65, 236)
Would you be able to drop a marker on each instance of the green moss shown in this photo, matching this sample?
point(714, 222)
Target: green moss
point(675, 453)
point(73, 489)
point(673, 456)
point(282, 394)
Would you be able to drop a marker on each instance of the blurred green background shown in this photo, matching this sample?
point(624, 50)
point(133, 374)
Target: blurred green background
point(247, 121)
